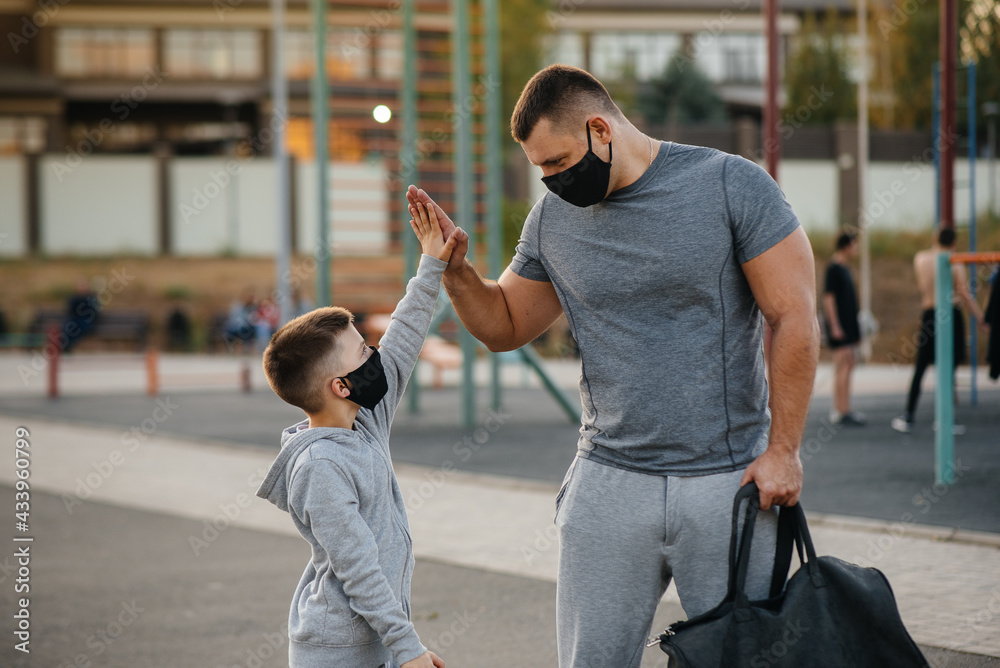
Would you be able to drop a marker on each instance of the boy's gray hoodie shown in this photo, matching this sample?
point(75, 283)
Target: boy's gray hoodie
point(351, 608)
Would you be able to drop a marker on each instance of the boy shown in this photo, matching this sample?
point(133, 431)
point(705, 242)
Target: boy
point(351, 608)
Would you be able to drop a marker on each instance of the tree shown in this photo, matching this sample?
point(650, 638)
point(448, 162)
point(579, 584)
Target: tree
point(682, 95)
point(912, 32)
point(979, 40)
point(818, 62)
point(523, 27)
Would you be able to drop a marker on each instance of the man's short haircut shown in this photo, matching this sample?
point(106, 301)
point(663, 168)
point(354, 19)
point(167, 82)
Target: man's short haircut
point(562, 94)
point(302, 352)
point(845, 239)
point(946, 238)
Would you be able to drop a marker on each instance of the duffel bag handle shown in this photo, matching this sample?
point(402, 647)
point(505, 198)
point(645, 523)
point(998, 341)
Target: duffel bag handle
point(792, 530)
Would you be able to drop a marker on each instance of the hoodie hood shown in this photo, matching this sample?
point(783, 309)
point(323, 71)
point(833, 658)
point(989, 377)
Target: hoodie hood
point(294, 440)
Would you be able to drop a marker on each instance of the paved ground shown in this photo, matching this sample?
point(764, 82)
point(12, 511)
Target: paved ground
point(868, 472)
point(128, 570)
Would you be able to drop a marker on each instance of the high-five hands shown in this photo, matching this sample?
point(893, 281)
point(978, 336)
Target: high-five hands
point(449, 230)
point(425, 225)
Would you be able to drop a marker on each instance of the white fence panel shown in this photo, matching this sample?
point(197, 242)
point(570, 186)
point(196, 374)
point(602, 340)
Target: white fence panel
point(98, 205)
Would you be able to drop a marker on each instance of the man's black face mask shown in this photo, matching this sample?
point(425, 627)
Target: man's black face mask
point(368, 382)
point(586, 182)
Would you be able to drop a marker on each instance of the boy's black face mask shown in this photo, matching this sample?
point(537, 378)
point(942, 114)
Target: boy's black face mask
point(586, 182)
point(368, 383)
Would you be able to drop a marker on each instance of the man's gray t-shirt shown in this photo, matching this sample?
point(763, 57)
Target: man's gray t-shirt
point(669, 334)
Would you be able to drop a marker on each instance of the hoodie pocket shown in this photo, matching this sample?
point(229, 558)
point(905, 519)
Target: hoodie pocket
point(363, 631)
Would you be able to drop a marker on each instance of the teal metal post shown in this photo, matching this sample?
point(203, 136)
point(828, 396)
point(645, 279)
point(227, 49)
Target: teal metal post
point(321, 116)
point(462, 160)
point(408, 160)
point(279, 102)
point(944, 360)
point(532, 359)
point(974, 325)
point(494, 167)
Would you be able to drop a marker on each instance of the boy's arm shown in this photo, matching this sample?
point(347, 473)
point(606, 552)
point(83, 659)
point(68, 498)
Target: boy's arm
point(404, 337)
point(410, 321)
point(326, 500)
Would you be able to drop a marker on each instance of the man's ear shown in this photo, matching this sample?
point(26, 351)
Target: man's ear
point(601, 128)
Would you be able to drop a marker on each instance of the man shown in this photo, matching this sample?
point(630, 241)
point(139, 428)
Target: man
point(840, 306)
point(663, 260)
point(924, 267)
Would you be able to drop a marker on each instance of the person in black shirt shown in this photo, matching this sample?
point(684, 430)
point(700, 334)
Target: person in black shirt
point(840, 306)
point(82, 311)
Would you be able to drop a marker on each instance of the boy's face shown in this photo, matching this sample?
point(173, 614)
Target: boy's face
point(353, 351)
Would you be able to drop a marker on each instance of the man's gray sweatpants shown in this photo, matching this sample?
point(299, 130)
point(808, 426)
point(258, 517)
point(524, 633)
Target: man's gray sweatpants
point(623, 536)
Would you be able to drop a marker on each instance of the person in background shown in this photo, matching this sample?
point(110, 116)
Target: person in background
point(923, 266)
point(82, 310)
point(240, 324)
point(840, 307)
point(265, 320)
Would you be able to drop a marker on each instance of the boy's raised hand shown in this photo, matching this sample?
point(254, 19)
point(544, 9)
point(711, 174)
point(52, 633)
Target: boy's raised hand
point(448, 228)
point(425, 225)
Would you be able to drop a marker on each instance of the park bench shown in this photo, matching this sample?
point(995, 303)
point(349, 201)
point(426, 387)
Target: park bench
point(112, 326)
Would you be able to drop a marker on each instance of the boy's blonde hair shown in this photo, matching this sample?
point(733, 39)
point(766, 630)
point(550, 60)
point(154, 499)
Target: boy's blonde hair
point(302, 352)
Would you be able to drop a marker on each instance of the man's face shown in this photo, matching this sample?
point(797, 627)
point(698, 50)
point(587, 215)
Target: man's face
point(555, 150)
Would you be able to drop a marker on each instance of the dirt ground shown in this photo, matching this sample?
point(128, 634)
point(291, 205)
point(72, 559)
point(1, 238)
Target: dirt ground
point(203, 287)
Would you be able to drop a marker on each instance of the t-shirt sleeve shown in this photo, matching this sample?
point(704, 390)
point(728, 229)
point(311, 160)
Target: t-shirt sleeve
point(759, 214)
point(832, 283)
point(527, 262)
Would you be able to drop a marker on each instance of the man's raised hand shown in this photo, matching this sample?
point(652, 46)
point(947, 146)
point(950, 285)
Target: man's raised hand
point(414, 196)
point(425, 225)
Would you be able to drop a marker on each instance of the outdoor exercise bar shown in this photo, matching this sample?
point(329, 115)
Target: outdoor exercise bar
point(944, 359)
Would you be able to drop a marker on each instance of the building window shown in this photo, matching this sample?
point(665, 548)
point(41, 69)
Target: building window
point(22, 135)
point(212, 54)
point(125, 137)
point(95, 52)
point(642, 55)
point(348, 54)
point(742, 58)
point(566, 47)
point(389, 55)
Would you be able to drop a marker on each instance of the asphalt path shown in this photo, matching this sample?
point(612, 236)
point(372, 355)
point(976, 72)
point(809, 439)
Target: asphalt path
point(869, 471)
point(115, 587)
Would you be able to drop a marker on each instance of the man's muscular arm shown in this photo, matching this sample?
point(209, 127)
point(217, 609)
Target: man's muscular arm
point(783, 282)
point(504, 314)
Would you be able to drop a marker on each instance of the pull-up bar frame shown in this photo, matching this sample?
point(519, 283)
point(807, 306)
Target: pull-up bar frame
point(944, 360)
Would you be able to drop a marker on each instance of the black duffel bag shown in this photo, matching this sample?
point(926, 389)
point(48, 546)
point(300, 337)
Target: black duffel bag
point(830, 614)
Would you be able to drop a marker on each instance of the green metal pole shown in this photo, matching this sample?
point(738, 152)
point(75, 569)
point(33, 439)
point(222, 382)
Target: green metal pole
point(321, 117)
point(532, 359)
point(944, 360)
point(407, 156)
point(494, 167)
point(462, 142)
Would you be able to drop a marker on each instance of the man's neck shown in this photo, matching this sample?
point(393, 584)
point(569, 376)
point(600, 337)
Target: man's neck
point(638, 156)
point(840, 258)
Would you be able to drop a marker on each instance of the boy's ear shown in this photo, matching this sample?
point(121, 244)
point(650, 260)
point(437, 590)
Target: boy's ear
point(340, 388)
